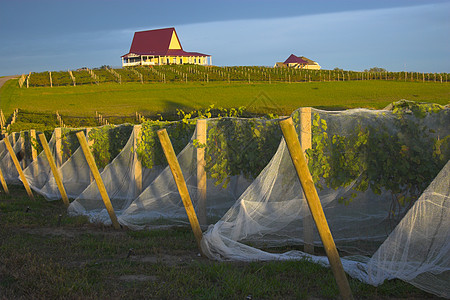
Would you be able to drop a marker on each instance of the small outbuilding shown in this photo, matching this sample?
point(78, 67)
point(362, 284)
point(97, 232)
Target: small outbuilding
point(161, 47)
point(298, 62)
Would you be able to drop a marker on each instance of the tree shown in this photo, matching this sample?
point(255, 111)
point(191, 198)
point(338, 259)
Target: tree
point(375, 69)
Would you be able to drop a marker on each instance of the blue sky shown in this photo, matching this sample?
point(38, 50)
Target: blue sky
point(411, 35)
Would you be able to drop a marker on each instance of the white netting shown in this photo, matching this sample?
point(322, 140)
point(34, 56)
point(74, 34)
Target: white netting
point(361, 206)
point(74, 171)
point(369, 166)
point(119, 178)
point(160, 203)
point(38, 172)
point(8, 168)
point(418, 250)
point(75, 175)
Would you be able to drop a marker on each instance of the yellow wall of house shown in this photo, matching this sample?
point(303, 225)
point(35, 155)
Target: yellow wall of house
point(177, 60)
point(313, 67)
point(307, 67)
point(163, 60)
point(174, 43)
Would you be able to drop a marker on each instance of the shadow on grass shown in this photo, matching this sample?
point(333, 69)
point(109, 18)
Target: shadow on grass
point(331, 107)
point(169, 111)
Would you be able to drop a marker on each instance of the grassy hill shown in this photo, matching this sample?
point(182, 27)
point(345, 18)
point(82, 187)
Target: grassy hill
point(260, 98)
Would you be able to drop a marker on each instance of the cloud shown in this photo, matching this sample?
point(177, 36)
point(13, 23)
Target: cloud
point(353, 40)
point(406, 38)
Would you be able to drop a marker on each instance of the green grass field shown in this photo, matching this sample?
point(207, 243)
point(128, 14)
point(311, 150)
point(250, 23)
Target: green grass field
point(261, 98)
point(45, 254)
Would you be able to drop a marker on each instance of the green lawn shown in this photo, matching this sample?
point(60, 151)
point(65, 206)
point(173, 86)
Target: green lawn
point(46, 254)
point(261, 98)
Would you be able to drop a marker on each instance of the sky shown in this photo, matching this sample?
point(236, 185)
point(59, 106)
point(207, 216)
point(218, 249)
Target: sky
point(398, 35)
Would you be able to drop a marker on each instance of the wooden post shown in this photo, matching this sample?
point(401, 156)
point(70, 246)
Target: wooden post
point(90, 143)
point(137, 163)
point(298, 159)
point(98, 179)
point(55, 172)
point(23, 162)
point(181, 184)
point(58, 147)
point(19, 169)
point(34, 153)
point(2, 179)
point(2, 123)
point(201, 173)
point(306, 143)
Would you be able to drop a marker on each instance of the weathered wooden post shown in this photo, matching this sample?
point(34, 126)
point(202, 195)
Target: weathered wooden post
point(306, 143)
point(2, 179)
point(34, 153)
point(98, 179)
point(90, 144)
point(19, 169)
point(201, 172)
point(54, 169)
point(298, 159)
point(137, 163)
point(58, 147)
point(23, 161)
point(181, 184)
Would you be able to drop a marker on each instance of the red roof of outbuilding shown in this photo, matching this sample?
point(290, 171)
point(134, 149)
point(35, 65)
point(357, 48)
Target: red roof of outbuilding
point(294, 59)
point(156, 42)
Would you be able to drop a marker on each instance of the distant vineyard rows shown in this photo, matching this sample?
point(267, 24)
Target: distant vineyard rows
point(195, 73)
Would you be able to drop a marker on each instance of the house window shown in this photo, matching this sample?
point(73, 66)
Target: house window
point(181, 60)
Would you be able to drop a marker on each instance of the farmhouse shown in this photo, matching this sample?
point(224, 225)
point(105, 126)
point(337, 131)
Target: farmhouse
point(298, 63)
point(160, 47)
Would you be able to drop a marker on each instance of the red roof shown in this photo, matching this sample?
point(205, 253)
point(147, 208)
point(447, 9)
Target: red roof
point(156, 42)
point(294, 59)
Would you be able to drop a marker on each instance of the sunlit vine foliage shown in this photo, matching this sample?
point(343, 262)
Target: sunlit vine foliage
point(400, 154)
point(237, 146)
point(180, 132)
point(108, 141)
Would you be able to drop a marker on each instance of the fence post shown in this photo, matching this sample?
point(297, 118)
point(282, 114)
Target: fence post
point(137, 163)
point(298, 159)
point(58, 147)
point(54, 169)
point(98, 179)
point(34, 153)
point(306, 143)
point(21, 141)
point(2, 179)
point(201, 173)
point(181, 184)
point(19, 169)
point(90, 143)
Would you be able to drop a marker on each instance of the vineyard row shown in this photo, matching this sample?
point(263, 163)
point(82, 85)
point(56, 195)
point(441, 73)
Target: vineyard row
point(196, 73)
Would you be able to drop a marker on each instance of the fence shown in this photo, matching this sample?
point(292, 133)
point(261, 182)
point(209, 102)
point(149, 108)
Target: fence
point(188, 73)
